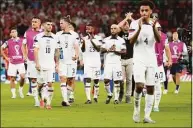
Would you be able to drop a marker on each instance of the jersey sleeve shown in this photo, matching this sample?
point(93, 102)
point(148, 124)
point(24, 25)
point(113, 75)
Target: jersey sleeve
point(5, 44)
point(133, 29)
point(185, 51)
point(36, 42)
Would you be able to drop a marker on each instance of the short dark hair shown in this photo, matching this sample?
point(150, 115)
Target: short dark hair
point(13, 28)
point(47, 20)
point(147, 3)
point(66, 18)
point(36, 17)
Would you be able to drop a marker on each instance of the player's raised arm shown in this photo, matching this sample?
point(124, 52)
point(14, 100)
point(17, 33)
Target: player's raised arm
point(83, 45)
point(155, 31)
point(3, 52)
point(125, 21)
point(97, 47)
point(133, 33)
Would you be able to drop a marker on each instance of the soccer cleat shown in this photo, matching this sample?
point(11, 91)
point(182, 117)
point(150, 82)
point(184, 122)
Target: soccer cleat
point(29, 94)
point(148, 120)
point(176, 91)
point(165, 91)
point(128, 99)
point(13, 97)
point(108, 99)
point(136, 117)
point(156, 109)
point(66, 104)
point(95, 100)
point(48, 107)
point(116, 102)
point(88, 102)
point(37, 104)
point(71, 100)
point(41, 103)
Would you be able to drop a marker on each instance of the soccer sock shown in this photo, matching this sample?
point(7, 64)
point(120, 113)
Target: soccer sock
point(50, 95)
point(116, 91)
point(44, 92)
point(137, 101)
point(21, 89)
point(30, 85)
point(72, 94)
point(108, 90)
point(157, 95)
point(96, 90)
point(35, 91)
point(13, 91)
point(63, 87)
point(177, 87)
point(87, 90)
point(69, 90)
point(148, 105)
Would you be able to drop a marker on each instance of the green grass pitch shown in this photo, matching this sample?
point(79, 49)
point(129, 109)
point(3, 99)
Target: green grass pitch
point(175, 110)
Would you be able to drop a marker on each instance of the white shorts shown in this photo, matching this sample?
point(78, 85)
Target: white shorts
point(113, 71)
point(160, 74)
point(31, 69)
point(13, 68)
point(144, 74)
point(67, 70)
point(45, 76)
point(92, 72)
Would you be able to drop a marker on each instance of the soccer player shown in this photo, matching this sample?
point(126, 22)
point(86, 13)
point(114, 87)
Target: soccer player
point(16, 61)
point(143, 33)
point(126, 59)
point(160, 74)
point(68, 62)
point(29, 50)
point(113, 46)
point(178, 50)
point(45, 48)
point(92, 62)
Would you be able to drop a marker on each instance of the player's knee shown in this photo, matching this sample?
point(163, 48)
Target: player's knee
point(12, 79)
point(49, 84)
point(96, 81)
point(139, 87)
point(116, 82)
point(106, 81)
point(88, 80)
point(22, 76)
point(150, 90)
point(63, 79)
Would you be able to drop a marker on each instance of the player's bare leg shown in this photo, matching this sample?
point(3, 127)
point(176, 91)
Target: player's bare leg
point(116, 91)
point(35, 91)
point(63, 87)
point(12, 85)
point(22, 80)
point(88, 90)
point(108, 90)
point(70, 89)
point(137, 101)
point(149, 99)
point(42, 89)
point(177, 82)
point(96, 90)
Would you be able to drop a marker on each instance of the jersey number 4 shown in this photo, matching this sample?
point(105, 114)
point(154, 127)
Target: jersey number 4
point(146, 41)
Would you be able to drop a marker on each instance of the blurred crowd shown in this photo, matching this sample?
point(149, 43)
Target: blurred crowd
point(172, 14)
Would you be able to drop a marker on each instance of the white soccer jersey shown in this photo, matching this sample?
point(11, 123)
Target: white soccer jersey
point(112, 58)
point(91, 55)
point(47, 46)
point(67, 43)
point(144, 50)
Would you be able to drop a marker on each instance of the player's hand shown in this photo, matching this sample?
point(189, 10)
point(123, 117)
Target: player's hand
point(38, 67)
point(7, 59)
point(154, 21)
point(169, 63)
point(140, 22)
point(113, 48)
point(129, 16)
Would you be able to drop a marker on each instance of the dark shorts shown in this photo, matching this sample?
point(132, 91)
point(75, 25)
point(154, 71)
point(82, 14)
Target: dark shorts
point(176, 68)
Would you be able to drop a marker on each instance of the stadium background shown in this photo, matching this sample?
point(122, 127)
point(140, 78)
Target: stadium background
point(173, 15)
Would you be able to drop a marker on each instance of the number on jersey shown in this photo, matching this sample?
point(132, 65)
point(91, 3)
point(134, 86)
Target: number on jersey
point(48, 49)
point(146, 41)
point(92, 49)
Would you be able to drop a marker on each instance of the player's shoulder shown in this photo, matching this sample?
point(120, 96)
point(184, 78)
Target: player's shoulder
point(107, 38)
point(59, 33)
point(120, 39)
point(39, 35)
point(98, 37)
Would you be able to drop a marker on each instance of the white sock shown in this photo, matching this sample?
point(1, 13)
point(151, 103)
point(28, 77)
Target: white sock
point(13, 91)
point(137, 101)
point(87, 90)
point(157, 94)
point(63, 87)
point(148, 105)
point(116, 91)
point(20, 89)
point(50, 95)
point(69, 90)
point(44, 91)
point(35, 91)
point(96, 90)
point(72, 94)
point(108, 90)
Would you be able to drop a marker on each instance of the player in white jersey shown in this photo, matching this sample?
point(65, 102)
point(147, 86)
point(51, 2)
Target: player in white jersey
point(113, 46)
point(144, 34)
point(68, 63)
point(92, 62)
point(45, 48)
